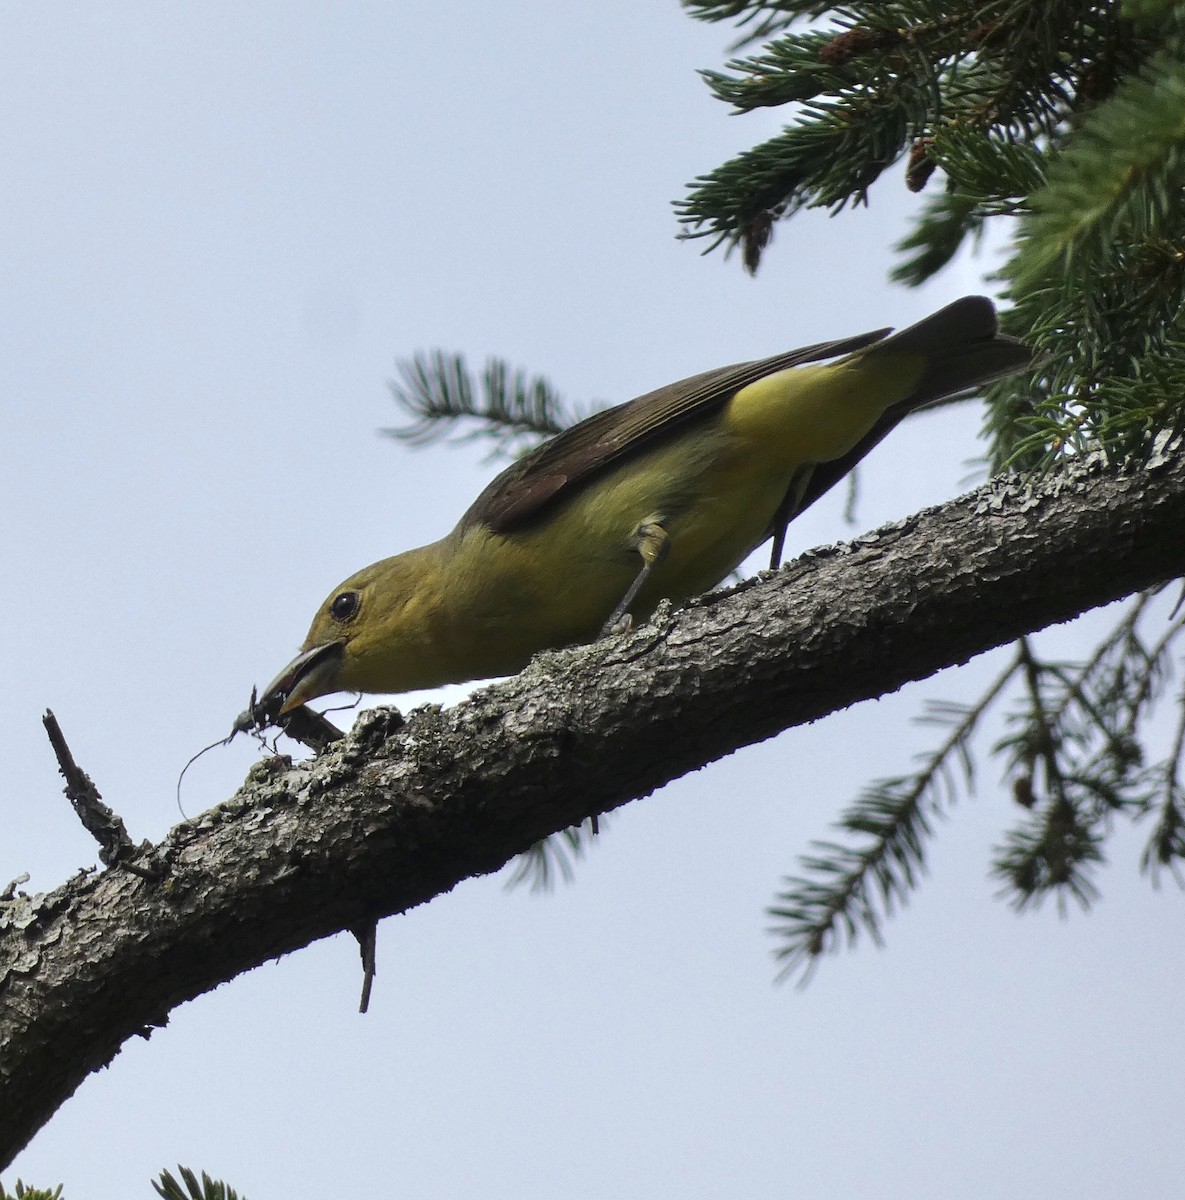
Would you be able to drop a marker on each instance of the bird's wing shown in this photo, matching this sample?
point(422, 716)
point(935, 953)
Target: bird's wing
point(555, 469)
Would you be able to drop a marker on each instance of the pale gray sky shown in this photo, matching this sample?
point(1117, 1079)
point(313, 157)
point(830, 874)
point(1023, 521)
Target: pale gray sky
point(221, 225)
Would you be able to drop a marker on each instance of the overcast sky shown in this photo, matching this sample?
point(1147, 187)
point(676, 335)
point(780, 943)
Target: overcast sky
point(222, 223)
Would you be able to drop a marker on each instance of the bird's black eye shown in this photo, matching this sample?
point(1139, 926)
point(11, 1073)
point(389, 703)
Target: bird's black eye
point(344, 606)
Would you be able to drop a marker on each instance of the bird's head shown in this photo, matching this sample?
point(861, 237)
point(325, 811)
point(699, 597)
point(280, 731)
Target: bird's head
point(368, 635)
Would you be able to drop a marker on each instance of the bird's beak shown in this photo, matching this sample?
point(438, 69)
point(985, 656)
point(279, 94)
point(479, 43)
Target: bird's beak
point(309, 675)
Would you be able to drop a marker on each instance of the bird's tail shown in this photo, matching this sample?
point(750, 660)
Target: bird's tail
point(963, 348)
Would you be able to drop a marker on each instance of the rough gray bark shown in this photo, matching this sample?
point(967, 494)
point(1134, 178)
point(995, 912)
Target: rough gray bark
point(400, 812)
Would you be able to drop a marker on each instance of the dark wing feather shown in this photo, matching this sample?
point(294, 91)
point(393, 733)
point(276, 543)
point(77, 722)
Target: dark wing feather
point(526, 489)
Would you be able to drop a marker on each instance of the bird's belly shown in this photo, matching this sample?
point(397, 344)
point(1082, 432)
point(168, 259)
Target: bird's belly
point(555, 583)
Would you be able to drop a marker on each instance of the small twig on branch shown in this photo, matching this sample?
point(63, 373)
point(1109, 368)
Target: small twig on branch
point(367, 935)
point(116, 848)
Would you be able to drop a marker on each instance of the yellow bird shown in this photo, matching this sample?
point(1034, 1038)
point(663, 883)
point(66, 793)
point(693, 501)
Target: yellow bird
point(658, 498)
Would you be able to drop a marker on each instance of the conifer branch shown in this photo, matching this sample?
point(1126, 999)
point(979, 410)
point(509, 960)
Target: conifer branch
point(945, 223)
point(169, 1188)
point(1078, 725)
point(766, 17)
point(845, 889)
point(553, 860)
point(1084, 731)
point(1119, 177)
point(514, 409)
point(1166, 846)
point(984, 93)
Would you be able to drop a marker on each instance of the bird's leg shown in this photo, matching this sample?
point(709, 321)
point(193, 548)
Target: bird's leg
point(787, 510)
point(652, 543)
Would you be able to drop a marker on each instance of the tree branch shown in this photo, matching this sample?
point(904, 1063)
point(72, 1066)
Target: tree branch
point(400, 812)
